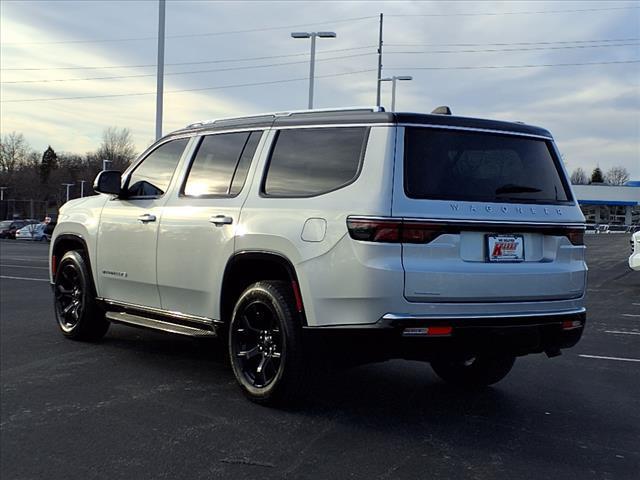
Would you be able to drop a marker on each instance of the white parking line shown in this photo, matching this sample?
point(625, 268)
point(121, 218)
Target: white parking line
point(25, 278)
point(28, 259)
point(598, 357)
point(636, 304)
point(622, 333)
point(23, 266)
point(630, 315)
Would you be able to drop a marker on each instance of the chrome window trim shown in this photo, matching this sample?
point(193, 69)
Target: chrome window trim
point(473, 129)
point(332, 125)
point(160, 311)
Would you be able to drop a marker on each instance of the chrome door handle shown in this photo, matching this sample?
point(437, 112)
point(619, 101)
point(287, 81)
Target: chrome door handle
point(220, 220)
point(147, 217)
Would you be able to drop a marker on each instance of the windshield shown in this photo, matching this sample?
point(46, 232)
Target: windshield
point(478, 166)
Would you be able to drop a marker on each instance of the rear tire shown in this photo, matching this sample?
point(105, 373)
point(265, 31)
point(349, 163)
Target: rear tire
point(265, 344)
point(79, 316)
point(476, 372)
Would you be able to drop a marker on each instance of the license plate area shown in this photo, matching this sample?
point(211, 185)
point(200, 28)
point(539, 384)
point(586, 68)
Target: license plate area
point(504, 248)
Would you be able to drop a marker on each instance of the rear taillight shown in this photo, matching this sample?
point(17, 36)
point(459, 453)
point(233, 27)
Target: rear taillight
point(394, 230)
point(575, 236)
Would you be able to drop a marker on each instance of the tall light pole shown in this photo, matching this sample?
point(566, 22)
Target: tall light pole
point(104, 163)
point(160, 73)
point(82, 182)
point(2, 189)
point(393, 81)
point(312, 62)
point(68, 185)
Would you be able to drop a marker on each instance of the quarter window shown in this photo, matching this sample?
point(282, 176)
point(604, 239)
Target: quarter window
point(312, 161)
point(152, 177)
point(221, 164)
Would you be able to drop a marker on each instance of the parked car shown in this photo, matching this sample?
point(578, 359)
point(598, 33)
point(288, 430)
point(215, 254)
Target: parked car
point(634, 259)
point(36, 232)
point(455, 241)
point(8, 228)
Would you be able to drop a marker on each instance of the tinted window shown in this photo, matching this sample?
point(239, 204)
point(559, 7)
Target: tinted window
point(312, 161)
point(153, 175)
point(221, 160)
point(473, 166)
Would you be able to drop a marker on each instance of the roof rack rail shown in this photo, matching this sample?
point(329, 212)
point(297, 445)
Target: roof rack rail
point(285, 114)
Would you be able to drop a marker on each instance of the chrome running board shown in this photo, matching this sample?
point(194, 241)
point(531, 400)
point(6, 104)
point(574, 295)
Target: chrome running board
point(146, 322)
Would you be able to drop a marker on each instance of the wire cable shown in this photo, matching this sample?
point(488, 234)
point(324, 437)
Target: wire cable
point(220, 87)
point(191, 72)
point(480, 67)
point(192, 35)
point(204, 62)
point(493, 14)
point(531, 49)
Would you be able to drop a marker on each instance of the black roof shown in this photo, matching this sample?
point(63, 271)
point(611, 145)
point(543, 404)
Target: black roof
point(346, 117)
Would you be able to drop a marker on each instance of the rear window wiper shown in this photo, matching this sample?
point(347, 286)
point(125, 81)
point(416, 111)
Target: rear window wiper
point(512, 188)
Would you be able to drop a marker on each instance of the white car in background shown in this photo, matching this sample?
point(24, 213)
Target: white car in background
point(35, 232)
point(634, 259)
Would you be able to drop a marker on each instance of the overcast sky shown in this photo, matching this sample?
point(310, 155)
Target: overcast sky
point(592, 110)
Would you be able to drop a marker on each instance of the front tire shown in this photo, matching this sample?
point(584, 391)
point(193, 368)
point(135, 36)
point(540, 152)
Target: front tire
point(474, 372)
point(265, 344)
point(79, 316)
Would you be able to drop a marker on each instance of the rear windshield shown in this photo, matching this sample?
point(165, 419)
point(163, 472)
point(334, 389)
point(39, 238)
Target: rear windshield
point(478, 166)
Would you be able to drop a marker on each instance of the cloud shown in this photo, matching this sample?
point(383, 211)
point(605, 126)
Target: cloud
point(593, 111)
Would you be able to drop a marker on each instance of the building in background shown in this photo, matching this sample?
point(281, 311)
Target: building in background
point(609, 204)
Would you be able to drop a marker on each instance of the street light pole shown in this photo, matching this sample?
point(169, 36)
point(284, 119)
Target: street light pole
point(68, 185)
point(2, 189)
point(160, 71)
point(82, 182)
point(104, 163)
point(393, 81)
point(312, 62)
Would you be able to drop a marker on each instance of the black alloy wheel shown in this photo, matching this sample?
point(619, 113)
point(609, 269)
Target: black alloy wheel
point(265, 344)
point(79, 316)
point(257, 344)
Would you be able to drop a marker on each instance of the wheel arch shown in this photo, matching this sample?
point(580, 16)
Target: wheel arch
point(66, 242)
point(247, 267)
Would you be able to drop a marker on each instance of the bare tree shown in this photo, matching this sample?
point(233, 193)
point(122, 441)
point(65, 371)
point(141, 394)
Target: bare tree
point(14, 150)
point(579, 177)
point(117, 147)
point(616, 176)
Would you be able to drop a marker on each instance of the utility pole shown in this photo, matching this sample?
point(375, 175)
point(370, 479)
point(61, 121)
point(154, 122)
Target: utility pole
point(160, 73)
point(379, 62)
point(68, 185)
point(82, 182)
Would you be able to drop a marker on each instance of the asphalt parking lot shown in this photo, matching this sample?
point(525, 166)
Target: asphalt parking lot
point(142, 404)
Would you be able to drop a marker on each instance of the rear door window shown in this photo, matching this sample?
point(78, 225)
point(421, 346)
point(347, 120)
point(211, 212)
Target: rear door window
point(478, 166)
point(311, 161)
point(221, 164)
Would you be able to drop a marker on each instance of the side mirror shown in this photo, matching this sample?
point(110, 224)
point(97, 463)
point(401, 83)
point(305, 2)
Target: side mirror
point(108, 181)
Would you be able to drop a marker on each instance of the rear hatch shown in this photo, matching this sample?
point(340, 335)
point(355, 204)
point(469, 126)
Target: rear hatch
point(487, 217)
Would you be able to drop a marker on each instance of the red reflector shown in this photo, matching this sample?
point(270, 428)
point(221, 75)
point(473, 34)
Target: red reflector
point(53, 265)
point(298, 297)
point(571, 324)
point(576, 236)
point(439, 331)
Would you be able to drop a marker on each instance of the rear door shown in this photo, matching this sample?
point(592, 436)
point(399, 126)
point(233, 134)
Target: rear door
point(488, 217)
point(128, 231)
point(201, 220)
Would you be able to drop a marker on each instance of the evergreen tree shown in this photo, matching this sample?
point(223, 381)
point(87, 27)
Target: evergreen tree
point(596, 176)
point(49, 163)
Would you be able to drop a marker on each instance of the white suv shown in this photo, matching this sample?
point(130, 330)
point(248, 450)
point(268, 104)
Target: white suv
point(452, 240)
point(634, 259)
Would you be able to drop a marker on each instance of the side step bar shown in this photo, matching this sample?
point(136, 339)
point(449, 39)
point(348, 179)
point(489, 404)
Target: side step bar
point(146, 322)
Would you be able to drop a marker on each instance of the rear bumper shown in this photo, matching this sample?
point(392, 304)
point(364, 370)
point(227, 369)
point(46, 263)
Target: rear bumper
point(513, 335)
